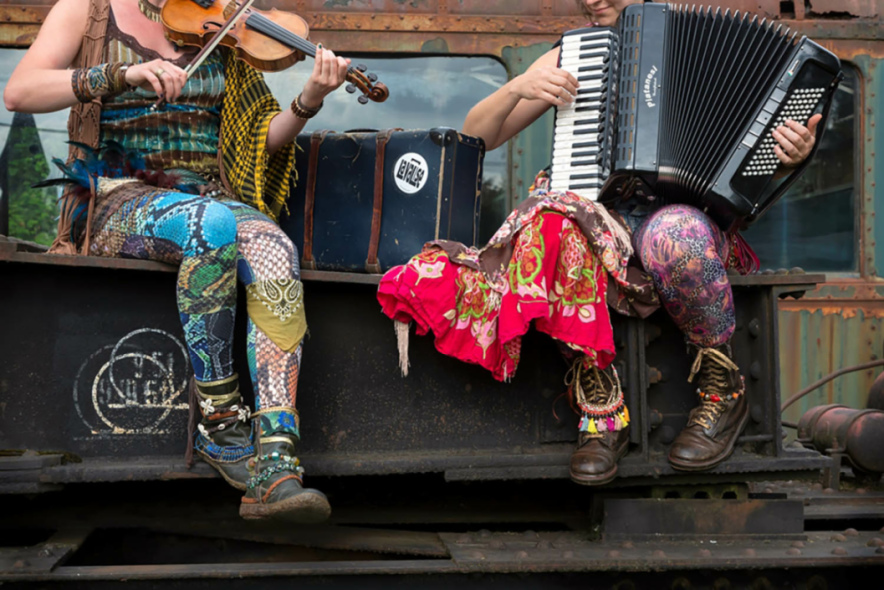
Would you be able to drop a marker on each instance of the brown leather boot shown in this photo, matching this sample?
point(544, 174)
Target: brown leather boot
point(713, 426)
point(604, 427)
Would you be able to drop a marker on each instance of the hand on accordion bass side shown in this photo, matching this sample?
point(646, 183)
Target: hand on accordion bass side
point(553, 85)
point(795, 141)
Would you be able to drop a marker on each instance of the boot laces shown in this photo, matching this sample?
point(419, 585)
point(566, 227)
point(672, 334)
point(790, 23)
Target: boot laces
point(714, 368)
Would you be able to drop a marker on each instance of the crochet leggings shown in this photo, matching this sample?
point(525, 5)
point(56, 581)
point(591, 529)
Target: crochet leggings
point(685, 253)
point(215, 242)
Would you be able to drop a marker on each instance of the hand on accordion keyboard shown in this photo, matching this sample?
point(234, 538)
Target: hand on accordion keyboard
point(553, 85)
point(795, 141)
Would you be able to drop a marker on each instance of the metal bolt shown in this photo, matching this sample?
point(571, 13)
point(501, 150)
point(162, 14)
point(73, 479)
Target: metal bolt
point(798, 544)
point(839, 538)
point(876, 542)
point(793, 551)
point(851, 532)
point(839, 551)
point(754, 327)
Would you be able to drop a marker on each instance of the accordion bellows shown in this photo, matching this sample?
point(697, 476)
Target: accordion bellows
point(684, 105)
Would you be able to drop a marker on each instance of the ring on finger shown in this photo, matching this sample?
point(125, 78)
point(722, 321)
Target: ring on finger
point(159, 72)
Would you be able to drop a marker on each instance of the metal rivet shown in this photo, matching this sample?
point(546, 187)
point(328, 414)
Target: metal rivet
point(798, 544)
point(705, 553)
point(613, 554)
point(880, 550)
point(496, 544)
point(521, 555)
point(477, 555)
point(628, 545)
point(749, 552)
point(839, 551)
point(793, 551)
point(839, 538)
point(876, 542)
point(568, 554)
point(851, 532)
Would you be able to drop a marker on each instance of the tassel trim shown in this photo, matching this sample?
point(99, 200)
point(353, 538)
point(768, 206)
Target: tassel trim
point(401, 329)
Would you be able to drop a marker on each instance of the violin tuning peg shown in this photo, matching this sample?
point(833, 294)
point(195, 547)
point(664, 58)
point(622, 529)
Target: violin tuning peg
point(350, 88)
point(361, 67)
point(363, 99)
point(373, 77)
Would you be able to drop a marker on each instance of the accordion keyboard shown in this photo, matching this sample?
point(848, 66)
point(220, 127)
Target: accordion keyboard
point(579, 140)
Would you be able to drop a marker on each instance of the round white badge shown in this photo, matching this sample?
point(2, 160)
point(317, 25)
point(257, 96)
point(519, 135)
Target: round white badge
point(411, 173)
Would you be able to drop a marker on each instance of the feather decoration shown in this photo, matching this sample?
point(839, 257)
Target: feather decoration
point(112, 160)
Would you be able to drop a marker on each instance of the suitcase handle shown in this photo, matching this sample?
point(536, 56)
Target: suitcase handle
point(307, 261)
point(371, 263)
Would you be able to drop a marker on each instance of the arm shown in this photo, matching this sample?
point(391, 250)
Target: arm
point(519, 102)
point(329, 72)
point(41, 82)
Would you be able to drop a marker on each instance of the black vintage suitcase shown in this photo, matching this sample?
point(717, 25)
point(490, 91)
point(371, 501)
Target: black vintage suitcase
point(367, 201)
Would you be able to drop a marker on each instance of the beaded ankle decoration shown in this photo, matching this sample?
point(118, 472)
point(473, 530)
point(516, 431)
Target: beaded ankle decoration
point(279, 467)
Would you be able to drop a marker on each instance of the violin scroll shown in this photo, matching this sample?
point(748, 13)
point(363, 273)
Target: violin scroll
point(367, 84)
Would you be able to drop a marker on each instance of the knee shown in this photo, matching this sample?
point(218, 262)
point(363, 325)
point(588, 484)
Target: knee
point(268, 252)
point(671, 230)
point(217, 224)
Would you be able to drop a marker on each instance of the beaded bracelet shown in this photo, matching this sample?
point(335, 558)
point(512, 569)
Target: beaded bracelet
point(303, 112)
point(101, 80)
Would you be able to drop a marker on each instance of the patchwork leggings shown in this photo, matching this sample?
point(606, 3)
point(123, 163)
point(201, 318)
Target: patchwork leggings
point(215, 242)
point(685, 253)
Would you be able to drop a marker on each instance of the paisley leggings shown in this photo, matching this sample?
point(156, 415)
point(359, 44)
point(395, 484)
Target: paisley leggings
point(686, 255)
point(216, 242)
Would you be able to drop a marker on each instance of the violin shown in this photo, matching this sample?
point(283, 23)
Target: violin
point(268, 40)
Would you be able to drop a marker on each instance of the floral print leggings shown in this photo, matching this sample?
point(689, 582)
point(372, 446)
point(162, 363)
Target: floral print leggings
point(686, 255)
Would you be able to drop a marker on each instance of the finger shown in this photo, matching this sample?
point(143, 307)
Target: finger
point(317, 64)
point(563, 95)
point(784, 158)
point(813, 122)
point(551, 98)
point(565, 83)
point(800, 129)
point(156, 83)
point(794, 137)
point(786, 145)
point(329, 67)
point(343, 64)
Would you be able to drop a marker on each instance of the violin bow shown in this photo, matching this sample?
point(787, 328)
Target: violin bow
point(211, 45)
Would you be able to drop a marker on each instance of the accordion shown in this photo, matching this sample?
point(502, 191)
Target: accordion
point(678, 104)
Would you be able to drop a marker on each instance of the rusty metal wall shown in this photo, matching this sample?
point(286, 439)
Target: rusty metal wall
point(838, 325)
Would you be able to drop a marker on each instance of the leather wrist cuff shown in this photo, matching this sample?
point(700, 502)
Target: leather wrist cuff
point(303, 112)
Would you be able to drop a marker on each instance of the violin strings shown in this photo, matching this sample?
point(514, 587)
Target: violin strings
point(262, 24)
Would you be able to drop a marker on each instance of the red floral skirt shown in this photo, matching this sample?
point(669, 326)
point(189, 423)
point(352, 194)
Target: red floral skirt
point(553, 278)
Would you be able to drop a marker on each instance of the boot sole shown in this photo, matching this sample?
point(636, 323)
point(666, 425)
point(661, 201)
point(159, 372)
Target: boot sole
point(715, 461)
point(602, 479)
point(305, 508)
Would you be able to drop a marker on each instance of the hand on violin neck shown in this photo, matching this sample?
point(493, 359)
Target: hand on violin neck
point(329, 72)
